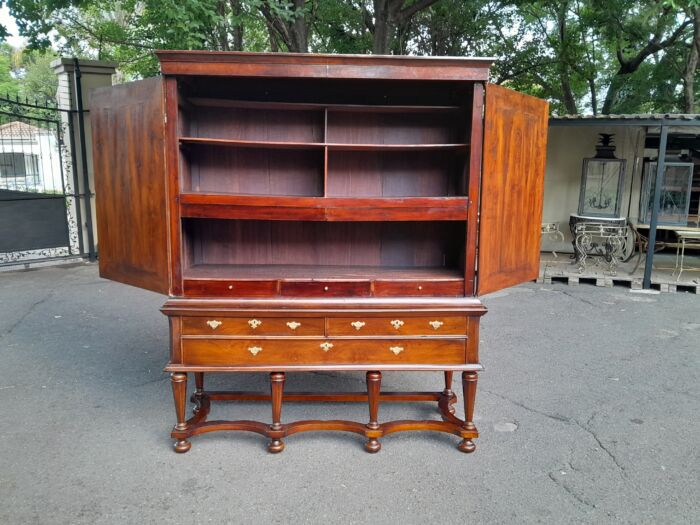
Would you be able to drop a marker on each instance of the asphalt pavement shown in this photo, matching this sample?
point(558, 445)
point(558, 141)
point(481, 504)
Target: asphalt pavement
point(588, 411)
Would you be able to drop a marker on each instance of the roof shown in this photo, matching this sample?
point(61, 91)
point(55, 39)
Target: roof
point(632, 119)
point(17, 129)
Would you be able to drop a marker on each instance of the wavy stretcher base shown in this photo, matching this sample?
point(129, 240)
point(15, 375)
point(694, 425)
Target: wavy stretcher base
point(450, 424)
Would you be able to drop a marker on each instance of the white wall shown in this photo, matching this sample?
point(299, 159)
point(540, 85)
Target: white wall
point(566, 148)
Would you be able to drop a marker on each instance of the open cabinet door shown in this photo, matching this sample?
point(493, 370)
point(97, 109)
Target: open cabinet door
point(128, 152)
point(512, 186)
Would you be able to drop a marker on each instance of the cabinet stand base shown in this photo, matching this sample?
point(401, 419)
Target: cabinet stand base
point(198, 423)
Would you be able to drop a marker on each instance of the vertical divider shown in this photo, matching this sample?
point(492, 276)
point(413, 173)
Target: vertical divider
point(325, 152)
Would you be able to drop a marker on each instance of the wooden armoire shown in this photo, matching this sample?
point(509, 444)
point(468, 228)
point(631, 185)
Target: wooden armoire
point(319, 213)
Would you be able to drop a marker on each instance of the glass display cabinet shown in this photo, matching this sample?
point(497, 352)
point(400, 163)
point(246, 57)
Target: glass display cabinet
point(675, 193)
point(601, 181)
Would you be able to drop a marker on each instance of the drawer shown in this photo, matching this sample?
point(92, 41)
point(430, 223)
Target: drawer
point(280, 352)
point(289, 326)
point(325, 288)
point(225, 288)
point(398, 325)
point(418, 288)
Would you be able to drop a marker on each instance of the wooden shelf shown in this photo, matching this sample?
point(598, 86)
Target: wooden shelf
point(302, 106)
point(395, 147)
point(224, 206)
point(264, 144)
point(314, 272)
point(259, 144)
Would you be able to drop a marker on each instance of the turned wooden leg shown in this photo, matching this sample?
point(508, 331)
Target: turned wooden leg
point(374, 382)
point(198, 391)
point(469, 388)
point(448, 389)
point(179, 383)
point(276, 388)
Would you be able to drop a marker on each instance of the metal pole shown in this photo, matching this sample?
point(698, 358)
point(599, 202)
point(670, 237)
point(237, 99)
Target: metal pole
point(660, 168)
point(83, 160)
point(76, 182)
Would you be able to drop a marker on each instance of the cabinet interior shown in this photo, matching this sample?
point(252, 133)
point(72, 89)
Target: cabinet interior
point(324, 137)
point(305, 249)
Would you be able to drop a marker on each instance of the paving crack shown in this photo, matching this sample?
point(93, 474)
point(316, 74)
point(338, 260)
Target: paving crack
point(29, 311)
point(571, 493)
point(555, 417)
point(569, 294)
point(612, 456)
point(569, 421)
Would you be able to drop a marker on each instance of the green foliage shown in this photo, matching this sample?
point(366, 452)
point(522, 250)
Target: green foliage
point(26, 73)
point(582, 55)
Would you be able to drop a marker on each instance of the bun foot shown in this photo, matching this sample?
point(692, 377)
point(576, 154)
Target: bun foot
point(182, 446)
point(467, 446)
point(373, 446)
point(275, 446)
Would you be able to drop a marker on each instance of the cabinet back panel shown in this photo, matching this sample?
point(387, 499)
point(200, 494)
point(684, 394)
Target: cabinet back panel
point(393, 128)
point(257, 124)
point(395, 244)
point(250, 171)
point(393, 173)
point(330, 91)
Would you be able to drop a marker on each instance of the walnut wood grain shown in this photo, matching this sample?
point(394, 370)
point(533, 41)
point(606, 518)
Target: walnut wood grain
point(251, 326)
point(291, 65)
point(396, 326)
point(515, 139)
point(130, 186)
point(225, 206)
point(319, 213)
point(283, 352)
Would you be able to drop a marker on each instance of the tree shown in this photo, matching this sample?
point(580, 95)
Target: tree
point(581, 55)
point(637, 32)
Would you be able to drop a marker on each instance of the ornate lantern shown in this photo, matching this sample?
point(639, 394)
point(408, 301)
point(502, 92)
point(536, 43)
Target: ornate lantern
point(601, 181)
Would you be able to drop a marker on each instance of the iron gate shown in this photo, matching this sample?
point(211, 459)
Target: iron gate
point(39, 204)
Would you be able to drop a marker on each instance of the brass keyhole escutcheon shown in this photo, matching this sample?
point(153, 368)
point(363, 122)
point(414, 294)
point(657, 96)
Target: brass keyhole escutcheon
point(396, 349)
point(255, 350)
point(293, 325)
point(397, 323)
point(254, 323)
point(326, 346)
point(214, 324)
point(357, 324)
point(436, 324)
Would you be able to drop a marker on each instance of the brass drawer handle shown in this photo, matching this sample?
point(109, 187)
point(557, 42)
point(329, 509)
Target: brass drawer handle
point(255, 350)
point(293, 325)
point(397, 323)
point(326, 346)
point(254, 323)
point(357, 324)
point(396, 349)
point(214, 324)
point(436, 324)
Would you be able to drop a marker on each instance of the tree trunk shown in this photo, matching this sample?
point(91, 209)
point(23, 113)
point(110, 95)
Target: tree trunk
point(691, 66)
point(611, 96)
point(565, 77)
point(293, 33)
point(237, 11)
point(299, 30)
point(594, 95)
point(380, 45)
point(223, 30)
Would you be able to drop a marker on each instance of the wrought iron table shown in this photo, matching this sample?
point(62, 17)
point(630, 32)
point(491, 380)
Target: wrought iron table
point(605, 238)
point(685, 238)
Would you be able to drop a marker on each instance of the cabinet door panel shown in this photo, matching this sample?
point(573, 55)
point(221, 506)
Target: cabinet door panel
point(130, 185)
point(512, 185)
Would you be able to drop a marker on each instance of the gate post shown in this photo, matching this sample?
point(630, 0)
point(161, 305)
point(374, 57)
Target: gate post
point(74, 85)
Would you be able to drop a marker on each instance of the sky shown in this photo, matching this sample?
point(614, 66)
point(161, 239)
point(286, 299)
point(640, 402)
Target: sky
point(9, 23)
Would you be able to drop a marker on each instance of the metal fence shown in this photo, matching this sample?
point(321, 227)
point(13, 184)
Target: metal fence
point(39, 200)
